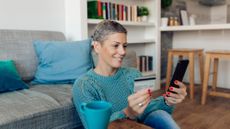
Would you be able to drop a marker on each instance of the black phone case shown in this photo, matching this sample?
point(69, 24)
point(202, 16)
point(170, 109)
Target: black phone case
point(179, 73)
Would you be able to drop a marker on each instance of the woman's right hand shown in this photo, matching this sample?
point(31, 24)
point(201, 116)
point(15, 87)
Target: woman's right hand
point(137, 103)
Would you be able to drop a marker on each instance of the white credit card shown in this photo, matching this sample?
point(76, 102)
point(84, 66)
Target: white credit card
point(144, 82)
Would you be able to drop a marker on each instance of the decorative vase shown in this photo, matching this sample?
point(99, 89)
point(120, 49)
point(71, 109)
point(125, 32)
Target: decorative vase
point(144, 18)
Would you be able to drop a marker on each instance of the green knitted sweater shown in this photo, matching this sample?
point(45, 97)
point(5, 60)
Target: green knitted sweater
point(114, 89)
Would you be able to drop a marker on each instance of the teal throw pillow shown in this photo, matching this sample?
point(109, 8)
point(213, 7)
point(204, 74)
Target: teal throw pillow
point(9, 77)
point(61, 62)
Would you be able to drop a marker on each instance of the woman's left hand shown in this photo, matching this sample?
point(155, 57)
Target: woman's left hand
point(178, 96)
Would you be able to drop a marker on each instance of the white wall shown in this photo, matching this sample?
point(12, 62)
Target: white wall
point(209, 40)
point(52, 15)
point(76, 16)
point(201, 12)
point(32, 14)
point(208, 14)
point(219, 14)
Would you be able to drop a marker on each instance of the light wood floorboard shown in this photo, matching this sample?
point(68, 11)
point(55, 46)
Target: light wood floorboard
point(192, 115)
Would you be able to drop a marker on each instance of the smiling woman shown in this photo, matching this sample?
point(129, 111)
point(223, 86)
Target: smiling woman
point(111, 82)
point(110, 44)
point(110, 52)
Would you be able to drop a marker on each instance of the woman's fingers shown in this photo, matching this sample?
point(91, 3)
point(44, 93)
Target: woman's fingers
point(141, 92)
point(180, 84)
point(139, 96)
point(172, 100)
point(139, 101)
point(140, 107)
point(181, 90)
point(178, 96)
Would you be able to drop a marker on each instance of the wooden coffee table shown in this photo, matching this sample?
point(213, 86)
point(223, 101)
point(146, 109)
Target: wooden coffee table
point(127, 124)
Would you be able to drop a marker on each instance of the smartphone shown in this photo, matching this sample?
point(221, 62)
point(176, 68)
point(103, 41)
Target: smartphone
point(178, 73)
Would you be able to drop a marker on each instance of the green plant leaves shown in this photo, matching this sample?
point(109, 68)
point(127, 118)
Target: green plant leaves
point(143, 11)
point(165, 3)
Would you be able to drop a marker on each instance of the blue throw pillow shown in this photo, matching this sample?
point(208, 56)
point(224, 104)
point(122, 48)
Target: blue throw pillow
point(9, 77)
point(61, 61)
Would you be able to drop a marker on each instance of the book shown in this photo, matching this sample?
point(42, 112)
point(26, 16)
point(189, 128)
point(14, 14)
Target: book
point(128, 13)
point(94, 9)
point(104, 10)
point(116, 12)
point(99, 8)
point(184, 17)
point(150, 63)
point(145, 63)
point(142, 63)
point(108, 10)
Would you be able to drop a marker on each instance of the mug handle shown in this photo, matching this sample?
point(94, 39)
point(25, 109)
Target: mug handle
point(82, 107)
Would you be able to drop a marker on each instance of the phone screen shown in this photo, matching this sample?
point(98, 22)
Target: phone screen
point(179, 73)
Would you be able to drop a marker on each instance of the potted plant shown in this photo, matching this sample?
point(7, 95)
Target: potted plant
point(165, 3)
point(144, 12)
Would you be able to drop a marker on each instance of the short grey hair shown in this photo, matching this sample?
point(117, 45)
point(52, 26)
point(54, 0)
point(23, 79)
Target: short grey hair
point(106, 28)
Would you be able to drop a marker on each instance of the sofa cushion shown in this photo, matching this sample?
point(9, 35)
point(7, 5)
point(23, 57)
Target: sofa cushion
point(17, 45)
point(9, 78)
point(62, 62)
point(40, 107)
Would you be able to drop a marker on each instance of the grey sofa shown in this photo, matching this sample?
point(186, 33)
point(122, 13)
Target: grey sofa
point(40, 106)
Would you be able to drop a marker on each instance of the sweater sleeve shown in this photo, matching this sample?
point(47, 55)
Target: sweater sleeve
point(117, 115)
point(83, 92)
point(157, 104)
point(130, 74)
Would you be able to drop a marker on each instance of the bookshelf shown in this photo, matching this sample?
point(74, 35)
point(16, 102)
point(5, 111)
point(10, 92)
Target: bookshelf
point(207, 34)
point(126, 23)
point(143, 37)
point(197, 27)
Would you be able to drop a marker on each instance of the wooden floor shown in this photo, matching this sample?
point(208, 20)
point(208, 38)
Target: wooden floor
point(192, 115)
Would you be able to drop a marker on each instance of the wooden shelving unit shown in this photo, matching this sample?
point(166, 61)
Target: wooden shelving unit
point(197, 27)
point(126, 23)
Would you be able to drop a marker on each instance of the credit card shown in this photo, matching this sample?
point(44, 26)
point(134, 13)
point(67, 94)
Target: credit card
point(144, 82)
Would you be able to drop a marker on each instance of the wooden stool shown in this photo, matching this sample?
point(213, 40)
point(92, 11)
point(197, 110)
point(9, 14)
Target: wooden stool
point(215, 56)
point(190, 53)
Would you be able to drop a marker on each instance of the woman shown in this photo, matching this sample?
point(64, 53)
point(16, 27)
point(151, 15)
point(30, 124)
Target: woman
point(110, 82)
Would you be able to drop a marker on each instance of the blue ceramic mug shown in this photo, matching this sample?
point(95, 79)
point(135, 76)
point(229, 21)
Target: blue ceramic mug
point(96, 114)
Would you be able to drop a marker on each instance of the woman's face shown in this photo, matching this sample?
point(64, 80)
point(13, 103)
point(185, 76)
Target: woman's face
point(112, 51)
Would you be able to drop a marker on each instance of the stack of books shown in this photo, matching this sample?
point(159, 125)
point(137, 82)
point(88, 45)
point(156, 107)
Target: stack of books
point(145, 63)
point(113, 11)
